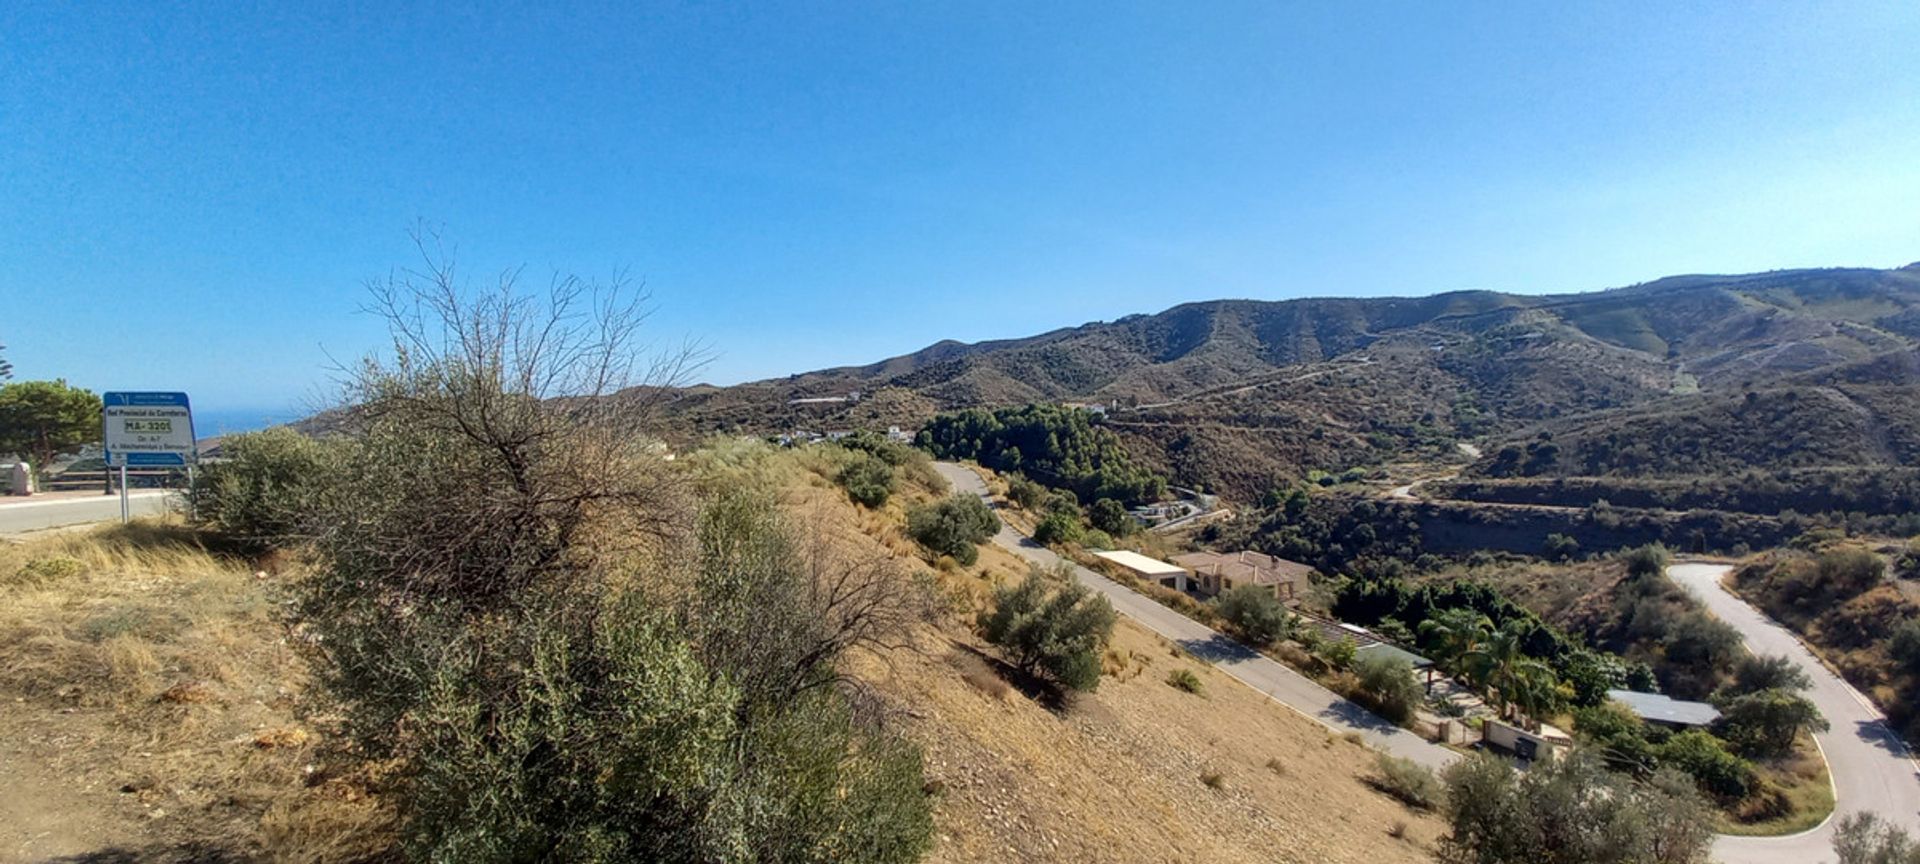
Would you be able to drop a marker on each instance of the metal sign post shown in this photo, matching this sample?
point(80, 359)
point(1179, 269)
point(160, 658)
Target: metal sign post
point(146, 430)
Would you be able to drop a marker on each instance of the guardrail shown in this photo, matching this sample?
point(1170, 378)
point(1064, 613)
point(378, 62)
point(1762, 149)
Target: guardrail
point(108, 481)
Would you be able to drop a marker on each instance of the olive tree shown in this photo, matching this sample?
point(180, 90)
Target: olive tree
point(560, 652)
point(1056, 631)
point(955, 526)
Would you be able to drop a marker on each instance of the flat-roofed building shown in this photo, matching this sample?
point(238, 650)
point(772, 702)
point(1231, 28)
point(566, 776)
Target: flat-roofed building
point(1665, 710)
point(1171, 575)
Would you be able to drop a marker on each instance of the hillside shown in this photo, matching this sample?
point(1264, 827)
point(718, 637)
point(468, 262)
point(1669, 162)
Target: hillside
point(155, 712)
point(1237, 394)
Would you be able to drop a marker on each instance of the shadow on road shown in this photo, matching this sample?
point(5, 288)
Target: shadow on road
point(1217, 648)
point(1353, 715)
point(1875, 732)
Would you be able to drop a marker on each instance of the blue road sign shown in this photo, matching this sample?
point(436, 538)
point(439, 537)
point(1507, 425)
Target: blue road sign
point(147, 429)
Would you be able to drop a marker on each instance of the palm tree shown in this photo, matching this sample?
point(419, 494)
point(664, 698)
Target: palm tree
point(1455, 633)
point(1512, 678)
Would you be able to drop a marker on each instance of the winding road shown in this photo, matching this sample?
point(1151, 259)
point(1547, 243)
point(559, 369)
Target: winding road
point(1872, 771)
point(1249, 667)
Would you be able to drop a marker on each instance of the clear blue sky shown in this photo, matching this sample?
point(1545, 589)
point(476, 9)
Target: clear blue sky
point(191, 198)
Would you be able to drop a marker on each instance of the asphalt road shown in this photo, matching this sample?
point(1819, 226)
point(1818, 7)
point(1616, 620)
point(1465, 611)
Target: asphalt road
point(1262, 673)
point(1872, 770)
point(21, 515)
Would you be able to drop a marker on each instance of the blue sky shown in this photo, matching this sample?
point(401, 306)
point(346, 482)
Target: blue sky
point(192, 198)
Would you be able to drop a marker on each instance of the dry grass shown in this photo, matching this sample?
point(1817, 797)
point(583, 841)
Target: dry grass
point(1795, 794)
point(134, 658)
point(1112, 776)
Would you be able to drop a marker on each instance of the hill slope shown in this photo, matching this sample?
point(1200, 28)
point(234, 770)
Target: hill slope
point(1238, 393)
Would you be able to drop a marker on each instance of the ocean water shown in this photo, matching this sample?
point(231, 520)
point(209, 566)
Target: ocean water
point(211, 421)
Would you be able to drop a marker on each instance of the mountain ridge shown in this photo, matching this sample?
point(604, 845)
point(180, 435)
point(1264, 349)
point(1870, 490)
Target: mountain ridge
point(1275, 388)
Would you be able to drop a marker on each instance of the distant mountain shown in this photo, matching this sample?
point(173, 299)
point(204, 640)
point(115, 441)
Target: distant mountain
point(1240, 393)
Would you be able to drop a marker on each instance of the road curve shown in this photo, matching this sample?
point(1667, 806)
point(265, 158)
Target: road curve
point(1872, 770)
point(1251, 668)
point(22, 515)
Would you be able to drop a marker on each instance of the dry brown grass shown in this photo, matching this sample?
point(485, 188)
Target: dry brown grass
point(1111, 777)
point(142, 665)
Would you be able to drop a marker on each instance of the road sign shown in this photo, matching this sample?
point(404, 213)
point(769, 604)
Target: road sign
point(148, 430)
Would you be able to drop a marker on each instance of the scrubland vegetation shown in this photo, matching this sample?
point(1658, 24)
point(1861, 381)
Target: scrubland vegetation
point(1840, 600)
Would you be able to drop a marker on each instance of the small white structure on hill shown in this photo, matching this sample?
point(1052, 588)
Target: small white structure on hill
point(1171, 575)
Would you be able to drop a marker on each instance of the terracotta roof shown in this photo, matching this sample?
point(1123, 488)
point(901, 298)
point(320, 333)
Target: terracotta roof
point(1245, 567)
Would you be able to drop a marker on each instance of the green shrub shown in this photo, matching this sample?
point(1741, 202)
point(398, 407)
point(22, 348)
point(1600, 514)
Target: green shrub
point(1560, 547)
point(1096, 539)
point(1905, 646)
point(954, 525)
point(1253, 610)
point(1411, 782)
point(1339, 652)
point(1704, 758)
point(261, 490)
point(1764, 724)
point(1650, 560)
point(510, 616)
point(867, 479)
point(1865, 838)
point(1056, 528)
point(46, 571)
point(1184, 679)
point(1024, 492)
point(1570, 811)
point(1056, 632)
point(1753, 674)
point(1387, 686)
point(1112, 517)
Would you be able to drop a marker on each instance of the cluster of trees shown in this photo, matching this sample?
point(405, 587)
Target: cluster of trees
point(1334, 533)
point(42, 419)
point(1063, 447)
point(1063, 520)
point(1571, 811)
point(1657, 622)
point(1763, 711)
point(1459, 623)
point(1495, 660)
point(561, 647)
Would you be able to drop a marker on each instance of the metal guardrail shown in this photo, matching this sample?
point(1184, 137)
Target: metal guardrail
point(107, 481)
